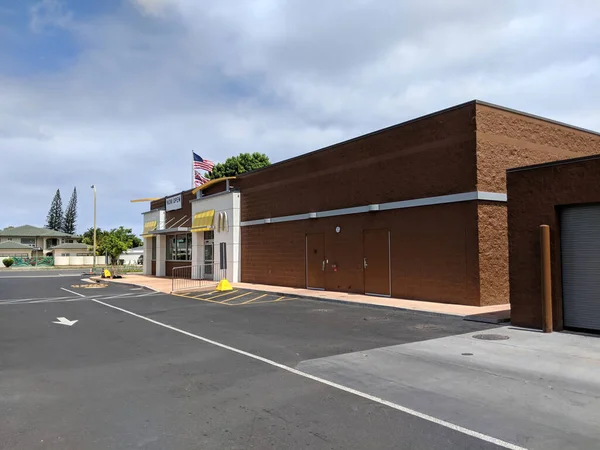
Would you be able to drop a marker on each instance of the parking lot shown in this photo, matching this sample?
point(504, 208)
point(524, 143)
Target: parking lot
point(237, 297)
point(123, 367)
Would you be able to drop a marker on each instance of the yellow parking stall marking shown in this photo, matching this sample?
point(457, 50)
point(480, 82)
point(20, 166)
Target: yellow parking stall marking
point(261, 297)
point(89, 286)
point(238, 296)
point(202, 294)
point(201, 299)
point(252, 299)
point(217, 296)
point(280, 299)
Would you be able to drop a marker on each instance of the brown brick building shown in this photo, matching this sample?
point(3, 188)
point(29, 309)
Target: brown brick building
point(566, 196)
point(417, 210)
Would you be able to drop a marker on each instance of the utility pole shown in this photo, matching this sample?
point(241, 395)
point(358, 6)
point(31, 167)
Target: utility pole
point(94, 260)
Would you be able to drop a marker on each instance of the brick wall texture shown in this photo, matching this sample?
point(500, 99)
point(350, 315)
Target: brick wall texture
point(423, 158)
point(507, 140)
point(454, 253)
point(433, 252)
point(535, 197)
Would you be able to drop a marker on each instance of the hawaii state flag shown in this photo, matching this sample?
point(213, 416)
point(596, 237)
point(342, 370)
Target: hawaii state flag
point(199, 180)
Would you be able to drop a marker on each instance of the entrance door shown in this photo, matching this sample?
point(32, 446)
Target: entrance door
point(376, 262)
point(315, 261)
point(580, 252)
point(209, 259)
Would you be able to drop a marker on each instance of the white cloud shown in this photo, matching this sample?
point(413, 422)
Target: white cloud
point(49, 13)
point(154, 7)
point(159, 78)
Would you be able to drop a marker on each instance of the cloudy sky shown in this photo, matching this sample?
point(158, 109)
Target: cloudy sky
point(118, 92)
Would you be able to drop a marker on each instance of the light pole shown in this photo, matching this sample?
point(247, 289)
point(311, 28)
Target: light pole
point(94, 260)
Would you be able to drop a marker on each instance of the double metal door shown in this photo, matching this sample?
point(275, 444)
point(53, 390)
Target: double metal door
point(376, 261)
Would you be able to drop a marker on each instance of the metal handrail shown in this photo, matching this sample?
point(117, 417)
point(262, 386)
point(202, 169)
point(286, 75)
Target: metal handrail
point(196, 276)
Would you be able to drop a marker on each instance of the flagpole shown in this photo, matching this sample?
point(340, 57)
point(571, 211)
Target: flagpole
point(193, 184)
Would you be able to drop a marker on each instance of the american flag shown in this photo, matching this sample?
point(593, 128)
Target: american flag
point(199, 180)
point(202, 164)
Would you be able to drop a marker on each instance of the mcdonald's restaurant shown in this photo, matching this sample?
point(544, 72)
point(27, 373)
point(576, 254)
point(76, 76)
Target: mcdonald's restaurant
point(414, 211)
point(196, 228)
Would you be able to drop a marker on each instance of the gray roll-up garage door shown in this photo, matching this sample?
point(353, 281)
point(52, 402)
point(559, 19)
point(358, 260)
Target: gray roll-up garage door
point(580, 250)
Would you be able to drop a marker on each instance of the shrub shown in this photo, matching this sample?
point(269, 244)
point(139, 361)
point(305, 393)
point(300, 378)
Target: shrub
point(8, 262)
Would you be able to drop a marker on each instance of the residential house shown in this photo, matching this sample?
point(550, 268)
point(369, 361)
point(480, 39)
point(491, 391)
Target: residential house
point(37, 241)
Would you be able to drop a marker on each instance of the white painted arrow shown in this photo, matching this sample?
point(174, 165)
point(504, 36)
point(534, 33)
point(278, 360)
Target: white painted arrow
point(65, 321)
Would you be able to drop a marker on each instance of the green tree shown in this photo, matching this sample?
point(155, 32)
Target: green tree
point(126, 235)
point(70, 219)
point(113, 246)
point(109, 242)
point(88, 236)
point(55, 215)
point(235, 165)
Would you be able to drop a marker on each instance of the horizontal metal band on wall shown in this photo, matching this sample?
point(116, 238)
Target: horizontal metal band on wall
point(426, 201)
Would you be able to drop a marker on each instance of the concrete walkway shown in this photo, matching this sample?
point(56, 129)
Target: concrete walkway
point(540, 391)
point(492, 314)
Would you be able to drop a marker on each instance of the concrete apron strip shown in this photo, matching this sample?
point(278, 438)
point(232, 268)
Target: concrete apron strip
point(340, 387)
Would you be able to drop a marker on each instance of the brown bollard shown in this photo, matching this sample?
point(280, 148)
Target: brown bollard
point(546, 278)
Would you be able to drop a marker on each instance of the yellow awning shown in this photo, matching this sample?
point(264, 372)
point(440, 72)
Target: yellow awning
point(149, 199)
point(149, 226)
point(211, 183)
point(203, 221)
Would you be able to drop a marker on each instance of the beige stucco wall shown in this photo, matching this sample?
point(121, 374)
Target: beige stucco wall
point(4, 253)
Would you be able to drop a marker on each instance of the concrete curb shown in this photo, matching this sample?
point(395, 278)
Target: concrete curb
point(108, 280)
point(472, 318)
point(497, 321)
point(393, 308)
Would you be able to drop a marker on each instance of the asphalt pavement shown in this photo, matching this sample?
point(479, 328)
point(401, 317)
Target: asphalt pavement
point(130, 368)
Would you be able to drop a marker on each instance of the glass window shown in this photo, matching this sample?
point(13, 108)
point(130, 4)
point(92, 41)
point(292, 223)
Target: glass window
point(154, 248)
point(209, 234)
point(181, 254)
point(179, 247)
point(28, 241)
point(171, 248)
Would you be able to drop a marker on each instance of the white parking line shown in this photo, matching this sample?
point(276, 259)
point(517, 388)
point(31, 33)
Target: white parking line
point(73, 292)
point(21, 300)
point(39, 276)
point(128, 295)
point(412, 412)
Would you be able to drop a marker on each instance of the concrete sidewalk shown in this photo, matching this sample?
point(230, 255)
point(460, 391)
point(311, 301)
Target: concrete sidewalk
point(490, 314)
point(541, 391)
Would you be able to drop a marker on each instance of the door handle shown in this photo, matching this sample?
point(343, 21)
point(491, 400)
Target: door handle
point(323, 267)
point(364, 263)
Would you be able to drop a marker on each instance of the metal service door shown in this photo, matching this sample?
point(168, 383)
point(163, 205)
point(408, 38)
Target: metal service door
point(315, 261)
point(376, 262)
point(580, 253)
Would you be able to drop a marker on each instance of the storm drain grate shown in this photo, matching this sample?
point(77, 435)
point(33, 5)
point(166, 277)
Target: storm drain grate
point(491, 337)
